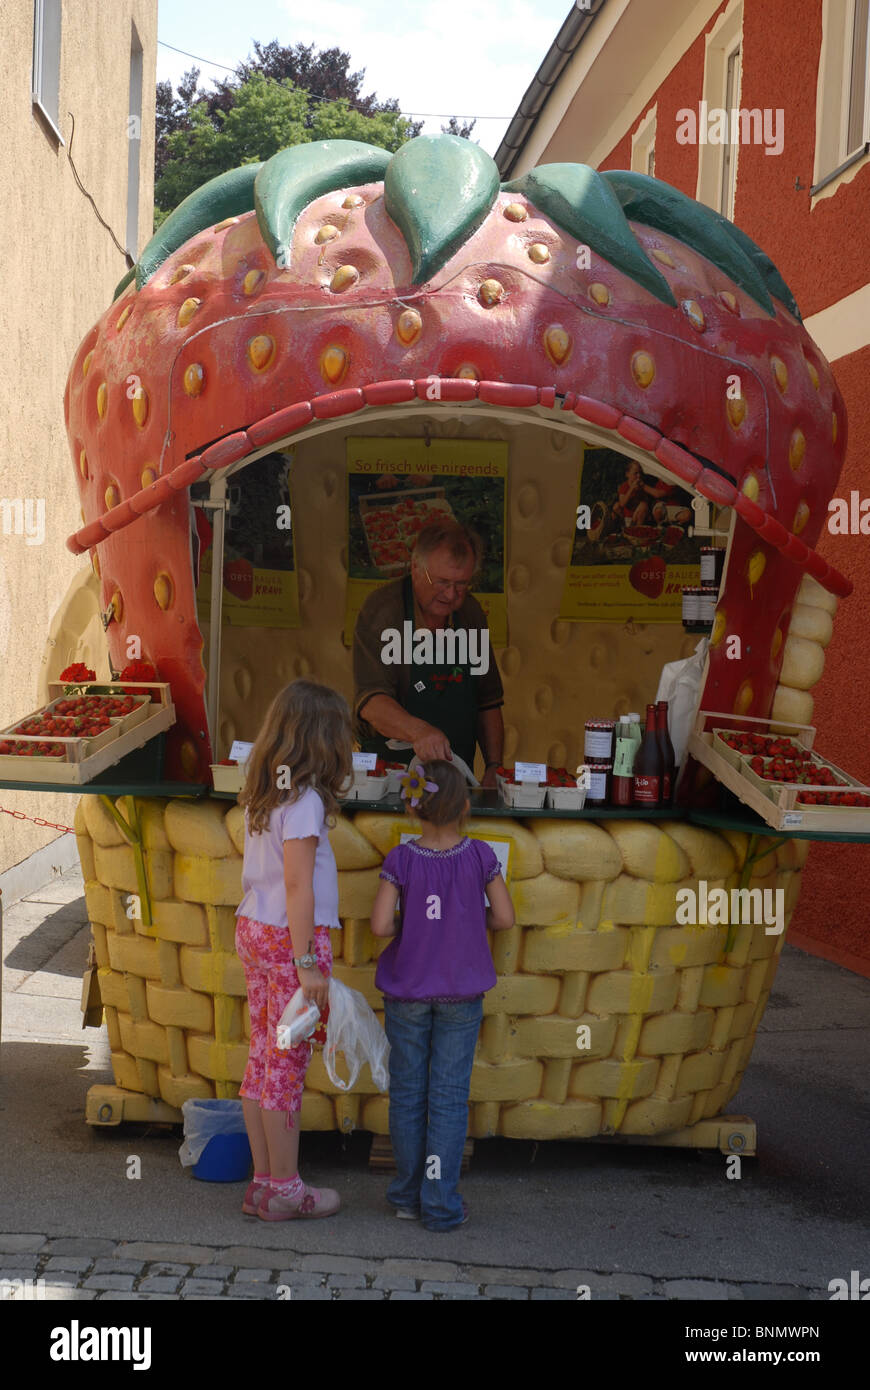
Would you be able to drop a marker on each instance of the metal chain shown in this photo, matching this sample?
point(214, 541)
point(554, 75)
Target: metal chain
point(37, 820)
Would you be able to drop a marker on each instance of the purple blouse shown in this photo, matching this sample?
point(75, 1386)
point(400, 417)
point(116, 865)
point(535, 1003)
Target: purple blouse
point(441, 951)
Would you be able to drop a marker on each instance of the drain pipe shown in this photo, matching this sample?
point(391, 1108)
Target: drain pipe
point(560, 53)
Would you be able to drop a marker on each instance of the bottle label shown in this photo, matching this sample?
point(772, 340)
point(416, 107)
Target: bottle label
point(623, 762)
point(646, 790)
point(666, 787)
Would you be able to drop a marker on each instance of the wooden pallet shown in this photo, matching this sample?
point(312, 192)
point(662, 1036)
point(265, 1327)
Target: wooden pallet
point(381, 1158)
point(108, 1106)
point(730, 1134)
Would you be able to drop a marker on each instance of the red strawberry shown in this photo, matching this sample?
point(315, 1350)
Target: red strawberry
point(239, 578)
point(648, 576)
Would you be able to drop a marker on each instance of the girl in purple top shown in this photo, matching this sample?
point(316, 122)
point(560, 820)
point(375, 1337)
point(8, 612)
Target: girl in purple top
point(433, 977)
point(298, 768)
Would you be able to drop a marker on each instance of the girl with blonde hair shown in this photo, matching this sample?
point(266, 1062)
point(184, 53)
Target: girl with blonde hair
point(299, 766)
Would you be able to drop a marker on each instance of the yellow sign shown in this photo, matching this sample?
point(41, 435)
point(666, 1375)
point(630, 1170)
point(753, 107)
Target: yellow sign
point(632, 554)
point(396, 485)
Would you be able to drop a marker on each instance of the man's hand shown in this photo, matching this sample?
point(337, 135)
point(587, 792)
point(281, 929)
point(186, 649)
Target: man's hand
point(488, 779)
point(432, 743)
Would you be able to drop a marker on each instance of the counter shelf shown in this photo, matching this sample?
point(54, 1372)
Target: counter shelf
point(485, 801)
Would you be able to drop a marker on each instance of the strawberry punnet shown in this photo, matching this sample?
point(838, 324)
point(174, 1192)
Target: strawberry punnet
point(336, 276)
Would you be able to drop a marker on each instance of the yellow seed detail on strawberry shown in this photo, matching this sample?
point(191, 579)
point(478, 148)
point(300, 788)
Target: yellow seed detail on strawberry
point(643, 368)
point(187, 311)
point(333, 364)
point(796, 449)
point(490, 292)
point(344, 277)
point(164, 590)
point(557, 344)
point(252, 282)
point(408, 326)
point(194, 378)
point(736, 410)
point(140, 406)
point(261, 352)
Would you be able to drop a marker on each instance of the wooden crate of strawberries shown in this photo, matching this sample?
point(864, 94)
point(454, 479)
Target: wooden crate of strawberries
point(779, 775)
point(86, 727)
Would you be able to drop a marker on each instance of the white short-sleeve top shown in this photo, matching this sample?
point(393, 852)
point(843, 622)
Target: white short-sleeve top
point(264, 897)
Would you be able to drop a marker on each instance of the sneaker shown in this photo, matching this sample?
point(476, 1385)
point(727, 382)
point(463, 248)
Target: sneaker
point(440, 1230)
point(252, 1197)
point(408, 1213)
point(314, 1202)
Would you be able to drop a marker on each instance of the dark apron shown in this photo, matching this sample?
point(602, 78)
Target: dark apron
point(448, 701)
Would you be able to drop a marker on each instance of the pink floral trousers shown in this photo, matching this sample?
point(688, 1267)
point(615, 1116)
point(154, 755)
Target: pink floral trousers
point(274, 1077)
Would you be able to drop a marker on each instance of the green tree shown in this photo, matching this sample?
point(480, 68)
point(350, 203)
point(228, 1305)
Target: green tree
point(266, 116)
point(334, 103)
point(461, 128)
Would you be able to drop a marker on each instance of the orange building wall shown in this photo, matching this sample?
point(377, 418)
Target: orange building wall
point(823, 255)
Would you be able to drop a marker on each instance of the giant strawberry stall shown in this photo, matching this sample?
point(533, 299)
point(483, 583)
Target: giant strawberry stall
point(336, 292)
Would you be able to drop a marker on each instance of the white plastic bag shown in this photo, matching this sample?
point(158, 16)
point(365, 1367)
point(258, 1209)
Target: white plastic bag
point(352, 1028)
point(298, 1021)
point(203, 1119)
point(680, 685)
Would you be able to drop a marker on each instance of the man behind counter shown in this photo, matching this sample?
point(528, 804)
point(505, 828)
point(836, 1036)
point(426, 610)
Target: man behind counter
point(434, 705)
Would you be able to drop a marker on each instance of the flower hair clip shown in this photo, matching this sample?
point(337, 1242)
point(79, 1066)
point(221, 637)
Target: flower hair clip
point(414, 784)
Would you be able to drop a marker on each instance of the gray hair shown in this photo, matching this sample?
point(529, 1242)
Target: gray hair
point(448, 534)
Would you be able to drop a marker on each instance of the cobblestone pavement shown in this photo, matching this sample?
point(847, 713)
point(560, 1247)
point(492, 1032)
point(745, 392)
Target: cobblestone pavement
point(76, 1268)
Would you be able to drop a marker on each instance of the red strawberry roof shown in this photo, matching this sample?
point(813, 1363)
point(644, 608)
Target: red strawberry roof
point(336, 277)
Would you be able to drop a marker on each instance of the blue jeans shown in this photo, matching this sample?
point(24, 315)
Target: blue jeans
point(431, 1055)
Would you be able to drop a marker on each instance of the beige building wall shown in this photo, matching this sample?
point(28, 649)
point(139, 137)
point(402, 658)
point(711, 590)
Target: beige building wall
point(59, 266)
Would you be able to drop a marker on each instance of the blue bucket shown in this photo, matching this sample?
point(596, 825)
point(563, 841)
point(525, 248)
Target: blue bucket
point(225, 1158)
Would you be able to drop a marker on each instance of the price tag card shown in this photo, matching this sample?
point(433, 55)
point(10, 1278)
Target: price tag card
point(530, 772)
point(364, 762)
point(240, 752)
point(792, 818)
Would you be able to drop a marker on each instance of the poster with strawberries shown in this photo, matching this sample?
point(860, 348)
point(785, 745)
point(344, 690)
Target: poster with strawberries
point(632, 553)
point(260, 587)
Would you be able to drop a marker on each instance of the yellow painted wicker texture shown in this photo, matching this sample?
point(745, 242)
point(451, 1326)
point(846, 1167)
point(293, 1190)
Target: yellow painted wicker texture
point(672, 1017)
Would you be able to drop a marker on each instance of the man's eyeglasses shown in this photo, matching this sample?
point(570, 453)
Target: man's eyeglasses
point(441, 586)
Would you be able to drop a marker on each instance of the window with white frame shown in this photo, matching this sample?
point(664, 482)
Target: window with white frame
point(728, 181)
point(718, 158)
point(643, 145)
point(46, 61)
point(843, 91)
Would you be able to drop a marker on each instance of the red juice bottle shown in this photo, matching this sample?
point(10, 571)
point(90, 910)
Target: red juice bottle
point(648, 765)
point(669, 767)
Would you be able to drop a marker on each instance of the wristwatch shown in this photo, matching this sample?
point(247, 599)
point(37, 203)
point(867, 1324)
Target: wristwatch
point(306, 962)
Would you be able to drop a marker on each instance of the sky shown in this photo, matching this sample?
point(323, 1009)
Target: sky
point(447, 59)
